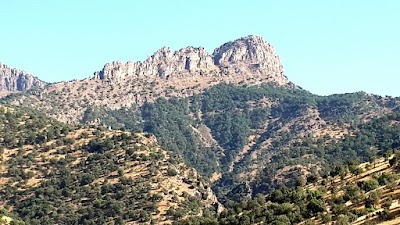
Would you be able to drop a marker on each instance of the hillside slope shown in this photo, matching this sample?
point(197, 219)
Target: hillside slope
point(360, 194)
point(249, 140)
point(52, 173)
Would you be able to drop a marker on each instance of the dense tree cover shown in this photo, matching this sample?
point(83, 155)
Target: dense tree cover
point(169, 120)
point(225, 109)
point(234, 113)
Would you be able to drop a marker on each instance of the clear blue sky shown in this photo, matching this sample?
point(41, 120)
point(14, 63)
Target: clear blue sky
point(331, 46)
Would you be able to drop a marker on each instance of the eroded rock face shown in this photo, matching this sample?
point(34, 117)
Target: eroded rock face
point(164, 64)
point(165, 74)
point(250, 50)
point(250, 54)
point(244, 56)
point(12, 79)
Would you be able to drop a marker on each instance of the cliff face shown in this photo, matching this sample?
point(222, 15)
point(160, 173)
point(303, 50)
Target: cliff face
point(164, 63)
point(12, 80)
point(248, 56)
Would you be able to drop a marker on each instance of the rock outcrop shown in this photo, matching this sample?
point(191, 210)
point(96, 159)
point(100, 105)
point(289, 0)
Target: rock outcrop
point(242, 57)
point(248, 55)
point(164, 63)
point(12, 80)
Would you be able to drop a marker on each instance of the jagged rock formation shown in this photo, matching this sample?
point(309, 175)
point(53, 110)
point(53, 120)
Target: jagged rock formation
point(12, 79)
point(246, 56)
point(250, 54)
point(163, 64)
point(183, 73)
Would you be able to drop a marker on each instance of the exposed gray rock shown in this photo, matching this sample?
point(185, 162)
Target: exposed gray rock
point(166, 74)
point(12, 79)
point(242, 57)
point(250, 54)
point(164, 63)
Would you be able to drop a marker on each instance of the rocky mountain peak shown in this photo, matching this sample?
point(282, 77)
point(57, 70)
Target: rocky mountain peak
point(251, 54)
point(12, 79)
point(251, 49)
point(163, 54)
point(245, 56)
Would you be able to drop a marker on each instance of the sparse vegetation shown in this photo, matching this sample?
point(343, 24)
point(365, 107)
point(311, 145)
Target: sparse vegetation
point(58, 174)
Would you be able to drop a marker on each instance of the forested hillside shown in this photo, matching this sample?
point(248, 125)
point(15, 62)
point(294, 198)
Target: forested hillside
point(52, 173)
point(352, 194)
point(250, 140)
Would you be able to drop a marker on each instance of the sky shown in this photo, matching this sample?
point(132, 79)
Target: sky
point(326, 47)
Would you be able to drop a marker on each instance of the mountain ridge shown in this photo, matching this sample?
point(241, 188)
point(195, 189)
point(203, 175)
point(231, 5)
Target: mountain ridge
point(14, 80)
point(250, 54)
point(188, 71)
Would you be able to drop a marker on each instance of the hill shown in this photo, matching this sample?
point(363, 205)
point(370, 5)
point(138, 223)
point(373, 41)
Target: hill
point(360, 194)
point(249, 140)
point(52, 173)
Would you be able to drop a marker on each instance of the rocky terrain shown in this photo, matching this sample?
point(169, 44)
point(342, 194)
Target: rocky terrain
point(15, 80)
point(245, 61)
point(250, 56)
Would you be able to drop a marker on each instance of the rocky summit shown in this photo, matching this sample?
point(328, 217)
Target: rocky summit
point(12, 79)
point(246, 56)
point(166, 74)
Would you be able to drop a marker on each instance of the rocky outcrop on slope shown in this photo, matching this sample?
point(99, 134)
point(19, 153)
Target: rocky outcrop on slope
point(246, 56)
point(12, 80)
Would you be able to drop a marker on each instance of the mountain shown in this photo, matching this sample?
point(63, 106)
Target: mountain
point(14, 80)
point(231, 112)
point(52, 173)
point(233, 116)
point(246, 61)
